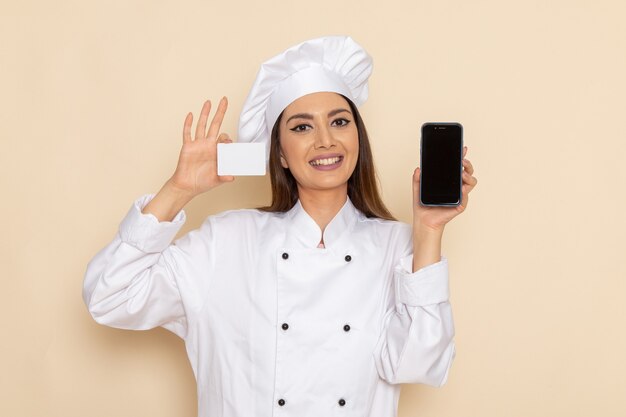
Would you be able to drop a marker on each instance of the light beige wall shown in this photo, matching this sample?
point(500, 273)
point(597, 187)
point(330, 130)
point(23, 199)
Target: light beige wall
point(92, 100)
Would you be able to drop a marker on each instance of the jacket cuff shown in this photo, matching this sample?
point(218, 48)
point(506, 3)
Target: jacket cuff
point(144, 231)
point(428, 285)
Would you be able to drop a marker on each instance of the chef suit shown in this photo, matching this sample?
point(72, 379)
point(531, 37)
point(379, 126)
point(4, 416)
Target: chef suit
point(274, 325)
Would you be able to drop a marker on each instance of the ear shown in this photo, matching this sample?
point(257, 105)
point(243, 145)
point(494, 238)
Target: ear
point(283, 161)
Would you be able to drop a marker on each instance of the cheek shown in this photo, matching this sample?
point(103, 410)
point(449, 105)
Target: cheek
point(355, 159)
point(289, 151)
point(354, 150)
point(352, 145)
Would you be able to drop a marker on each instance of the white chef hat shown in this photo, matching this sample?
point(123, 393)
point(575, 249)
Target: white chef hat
point(332, 63)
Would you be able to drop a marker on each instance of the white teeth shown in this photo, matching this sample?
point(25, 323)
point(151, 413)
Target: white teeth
point(326, 161)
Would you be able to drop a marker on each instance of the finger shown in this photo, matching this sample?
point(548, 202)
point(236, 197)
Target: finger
point(187, 128)
point(469, 180)
point(469, 168)
point(216, 123)
point(464, 151)
point(204, 115)
point(224, 138)
point(226, 178)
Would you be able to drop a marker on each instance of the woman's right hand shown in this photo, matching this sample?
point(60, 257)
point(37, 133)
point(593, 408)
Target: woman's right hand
point(196, 171)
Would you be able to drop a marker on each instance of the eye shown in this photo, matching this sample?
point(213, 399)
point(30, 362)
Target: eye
point(340, 122)
point(300, 128)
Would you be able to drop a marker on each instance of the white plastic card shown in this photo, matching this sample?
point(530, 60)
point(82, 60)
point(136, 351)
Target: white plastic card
point(240, 159)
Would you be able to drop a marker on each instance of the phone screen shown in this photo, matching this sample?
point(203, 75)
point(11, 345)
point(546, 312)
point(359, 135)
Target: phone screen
point(441, 164)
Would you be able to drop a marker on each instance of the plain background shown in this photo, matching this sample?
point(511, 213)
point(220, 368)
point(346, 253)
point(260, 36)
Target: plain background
point(93, 96)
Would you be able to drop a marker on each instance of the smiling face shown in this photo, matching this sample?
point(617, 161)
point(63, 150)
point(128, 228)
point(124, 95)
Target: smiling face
point(319, 141)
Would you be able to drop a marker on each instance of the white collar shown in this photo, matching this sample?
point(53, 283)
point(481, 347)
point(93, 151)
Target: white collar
point(303, 231)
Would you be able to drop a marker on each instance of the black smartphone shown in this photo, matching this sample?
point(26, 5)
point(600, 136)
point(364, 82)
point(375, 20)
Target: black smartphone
point(441, 164)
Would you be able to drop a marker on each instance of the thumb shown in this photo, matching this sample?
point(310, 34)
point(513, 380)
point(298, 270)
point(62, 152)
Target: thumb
point(416, 185)
point(226, 178)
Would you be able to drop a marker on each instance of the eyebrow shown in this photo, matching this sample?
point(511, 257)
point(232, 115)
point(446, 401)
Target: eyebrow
point(310, 116)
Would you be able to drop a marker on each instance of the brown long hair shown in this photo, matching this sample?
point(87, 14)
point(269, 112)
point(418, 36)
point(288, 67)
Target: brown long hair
point(362, 184)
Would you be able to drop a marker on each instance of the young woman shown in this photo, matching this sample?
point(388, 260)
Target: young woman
point(320, 304)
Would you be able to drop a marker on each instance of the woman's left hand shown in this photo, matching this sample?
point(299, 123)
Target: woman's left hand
point(435, 218)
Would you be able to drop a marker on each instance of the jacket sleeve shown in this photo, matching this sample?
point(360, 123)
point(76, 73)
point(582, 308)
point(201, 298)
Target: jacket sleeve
point(132, 282)
point(416, 344)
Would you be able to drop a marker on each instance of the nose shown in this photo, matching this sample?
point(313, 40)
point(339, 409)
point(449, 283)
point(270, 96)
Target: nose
point(324, 138)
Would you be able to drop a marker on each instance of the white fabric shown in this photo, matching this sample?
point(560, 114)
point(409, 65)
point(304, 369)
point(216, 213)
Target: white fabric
point(309, 80)
point(330, 64)
point(226, 289)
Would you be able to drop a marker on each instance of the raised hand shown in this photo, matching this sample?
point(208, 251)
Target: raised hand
point(436, 217)
point(196, 171)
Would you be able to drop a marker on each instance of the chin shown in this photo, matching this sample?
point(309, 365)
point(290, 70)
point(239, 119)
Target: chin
point(323, 180)
point(327, 185)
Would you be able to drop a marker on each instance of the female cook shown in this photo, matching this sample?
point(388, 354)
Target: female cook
point(318, 305)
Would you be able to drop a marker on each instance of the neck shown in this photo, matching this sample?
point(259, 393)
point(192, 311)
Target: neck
point(323, 205)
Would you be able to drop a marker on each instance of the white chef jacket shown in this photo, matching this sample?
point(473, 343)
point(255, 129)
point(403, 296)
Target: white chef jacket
point(274, 325)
